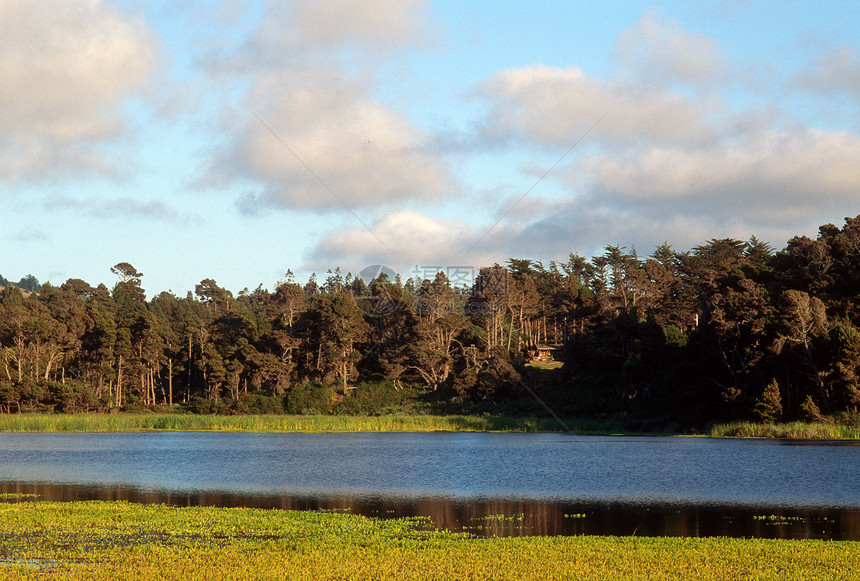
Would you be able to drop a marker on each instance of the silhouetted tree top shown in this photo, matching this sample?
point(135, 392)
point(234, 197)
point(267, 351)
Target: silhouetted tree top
point(126, 272)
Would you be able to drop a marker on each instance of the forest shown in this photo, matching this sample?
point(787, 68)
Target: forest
point(729, 330)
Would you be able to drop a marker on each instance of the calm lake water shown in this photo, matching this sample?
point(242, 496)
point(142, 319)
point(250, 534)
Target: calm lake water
point(494, 484)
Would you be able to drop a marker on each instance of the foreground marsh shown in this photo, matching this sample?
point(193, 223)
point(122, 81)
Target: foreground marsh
point(99, 540)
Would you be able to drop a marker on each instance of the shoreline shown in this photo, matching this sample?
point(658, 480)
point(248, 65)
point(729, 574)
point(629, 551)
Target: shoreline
point(174, 422)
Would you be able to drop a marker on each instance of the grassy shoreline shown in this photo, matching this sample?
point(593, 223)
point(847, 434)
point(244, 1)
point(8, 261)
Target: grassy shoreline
point(787, 431)
point(128, 422)
point(144, 422)
point(109, 540)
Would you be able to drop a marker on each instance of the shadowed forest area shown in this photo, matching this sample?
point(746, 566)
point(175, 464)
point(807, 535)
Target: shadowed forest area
point(731, 330)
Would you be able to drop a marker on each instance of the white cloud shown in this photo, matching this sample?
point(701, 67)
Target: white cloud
point(320, 141)
point(679, 157)
point(557, 106)
point(67, 67)
point(586, 225)
point(666, 91)
point(370, 23)
point(666, 165)
point(117, 207)
point(659, 52)
point(837, 70)
point(771, 184)
point(413, 239)
point(802, 169)
point(403, 240)
point(317, 137)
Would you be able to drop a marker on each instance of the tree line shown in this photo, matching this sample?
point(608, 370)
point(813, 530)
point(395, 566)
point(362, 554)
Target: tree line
point(28, 283)
point(728, 330)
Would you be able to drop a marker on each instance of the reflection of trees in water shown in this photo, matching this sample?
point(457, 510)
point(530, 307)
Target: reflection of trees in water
point(503, 517)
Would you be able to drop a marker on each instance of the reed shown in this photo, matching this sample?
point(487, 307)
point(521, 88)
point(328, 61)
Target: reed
point(275, 423)
point(176, 422)
point(787, 431)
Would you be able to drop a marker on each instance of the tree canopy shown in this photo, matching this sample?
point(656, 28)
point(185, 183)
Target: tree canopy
point(728, 330)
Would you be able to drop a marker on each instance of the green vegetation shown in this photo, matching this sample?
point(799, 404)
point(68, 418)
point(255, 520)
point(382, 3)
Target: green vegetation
point(98, 540)
point(730, 331)
point(788, 431)
point(405, 422)
point(284, 423)
point(545, 364)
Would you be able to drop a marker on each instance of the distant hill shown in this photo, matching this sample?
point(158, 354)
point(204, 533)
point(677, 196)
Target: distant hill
point(27, 283)
point(26, 293)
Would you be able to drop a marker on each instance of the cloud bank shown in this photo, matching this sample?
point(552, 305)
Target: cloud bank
point(67, 67)
point(672, 160)
point(312, 134)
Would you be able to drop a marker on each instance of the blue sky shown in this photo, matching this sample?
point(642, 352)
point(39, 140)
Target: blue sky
point(236, 140)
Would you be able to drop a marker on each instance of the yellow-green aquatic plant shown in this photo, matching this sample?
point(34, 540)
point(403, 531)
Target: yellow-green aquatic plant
point(98, 540)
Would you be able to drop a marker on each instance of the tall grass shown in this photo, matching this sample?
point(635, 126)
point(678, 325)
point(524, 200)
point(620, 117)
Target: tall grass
point(130, 422)
point(285, 423)
point(787, 431)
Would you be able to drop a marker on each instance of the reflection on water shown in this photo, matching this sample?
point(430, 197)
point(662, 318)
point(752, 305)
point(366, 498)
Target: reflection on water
point(503, 517)
point(490, 484)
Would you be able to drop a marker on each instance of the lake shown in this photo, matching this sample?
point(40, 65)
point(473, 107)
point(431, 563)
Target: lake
point(486, 483)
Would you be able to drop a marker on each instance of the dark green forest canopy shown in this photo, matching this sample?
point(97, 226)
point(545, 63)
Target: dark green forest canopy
point(728, 330)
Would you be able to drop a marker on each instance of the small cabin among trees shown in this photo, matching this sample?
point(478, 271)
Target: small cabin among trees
point(546, 352)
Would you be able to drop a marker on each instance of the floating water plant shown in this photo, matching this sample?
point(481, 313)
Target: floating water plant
point(776, 519)
point(117, 540)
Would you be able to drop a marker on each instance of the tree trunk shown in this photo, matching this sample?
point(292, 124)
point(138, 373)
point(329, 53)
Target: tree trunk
point(52, 356)
point(170, 382)
point(37, 352)
point(814, 368)
point(188, 385)
point(19, 343)
point(119, 382)
point(152, 384)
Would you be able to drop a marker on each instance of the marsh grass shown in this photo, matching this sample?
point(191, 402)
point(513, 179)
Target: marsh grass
point(788, 431)
point(115, 540)
point(142, 422)
point(285, 423)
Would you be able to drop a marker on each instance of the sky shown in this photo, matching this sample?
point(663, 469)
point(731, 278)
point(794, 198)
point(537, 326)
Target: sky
point(237, 140)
